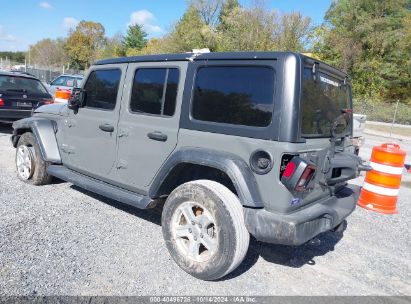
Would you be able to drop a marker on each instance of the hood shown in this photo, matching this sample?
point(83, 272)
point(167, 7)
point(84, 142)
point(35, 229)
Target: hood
point(55, 109)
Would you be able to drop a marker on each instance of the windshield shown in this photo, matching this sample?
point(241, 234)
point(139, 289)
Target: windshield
point(21, 84)
point(322, 102)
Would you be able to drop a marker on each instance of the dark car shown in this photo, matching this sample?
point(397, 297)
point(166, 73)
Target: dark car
point(20, 94)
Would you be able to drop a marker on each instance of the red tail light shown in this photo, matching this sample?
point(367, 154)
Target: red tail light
point(289, 170)
point(305, 178)
point(1, 102)
point(297, 174)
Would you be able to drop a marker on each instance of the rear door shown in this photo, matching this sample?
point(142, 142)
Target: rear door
point(149, 121)
point(90, 133)
point(325, 100)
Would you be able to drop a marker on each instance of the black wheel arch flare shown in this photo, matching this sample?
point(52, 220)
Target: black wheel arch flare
point(236, 169)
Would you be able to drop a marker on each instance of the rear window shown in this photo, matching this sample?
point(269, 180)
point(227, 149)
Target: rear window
point(73, 82)
point(237, 95)
point(21, 84)
point(322, 103)
point(70, 82)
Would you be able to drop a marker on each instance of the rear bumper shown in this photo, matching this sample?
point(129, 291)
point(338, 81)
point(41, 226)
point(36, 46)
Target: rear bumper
point(13, 114)
point(303, 225)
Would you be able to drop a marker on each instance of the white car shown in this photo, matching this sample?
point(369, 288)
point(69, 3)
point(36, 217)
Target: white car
point(65, 82)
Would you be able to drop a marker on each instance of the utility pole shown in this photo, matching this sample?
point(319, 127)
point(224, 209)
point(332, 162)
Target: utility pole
point(395, 116)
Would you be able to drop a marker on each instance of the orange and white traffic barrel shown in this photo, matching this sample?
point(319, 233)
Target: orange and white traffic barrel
point(382, 184)
point(62, 96)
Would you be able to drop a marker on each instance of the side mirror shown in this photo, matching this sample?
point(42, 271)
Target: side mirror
point(77, 99)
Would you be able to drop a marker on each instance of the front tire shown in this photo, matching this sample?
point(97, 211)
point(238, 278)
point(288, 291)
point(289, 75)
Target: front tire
point(30, 166)
point(204, 230)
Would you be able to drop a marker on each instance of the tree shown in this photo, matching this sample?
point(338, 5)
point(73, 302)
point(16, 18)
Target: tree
point(136, 38)
point(247, 29)
point(371, 41)
point(84, 42)
point(14, 56)
point(49, 52)
point(154, 46)
point(293, 32)
point(209, 10)
point(227, 8)
point(259, 29)
point(190, 33)
point(113, 48)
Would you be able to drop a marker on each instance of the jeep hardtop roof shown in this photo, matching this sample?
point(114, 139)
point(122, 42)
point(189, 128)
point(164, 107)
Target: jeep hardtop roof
point(195, 57)
point(220, 56)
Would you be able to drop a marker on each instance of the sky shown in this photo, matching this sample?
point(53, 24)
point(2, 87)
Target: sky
point(24, 22)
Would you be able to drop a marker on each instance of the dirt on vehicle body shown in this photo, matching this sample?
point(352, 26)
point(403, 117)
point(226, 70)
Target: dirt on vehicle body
point(235, 143)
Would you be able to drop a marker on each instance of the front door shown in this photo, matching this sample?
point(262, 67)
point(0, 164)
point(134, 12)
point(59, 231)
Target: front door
point(149, 121)
point(90, 134)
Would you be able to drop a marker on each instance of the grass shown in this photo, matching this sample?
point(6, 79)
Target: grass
point(387, 129)
point(384, 111)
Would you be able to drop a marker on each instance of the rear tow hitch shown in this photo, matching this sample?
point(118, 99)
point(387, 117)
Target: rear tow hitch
point(341, 227)
point(364, 167)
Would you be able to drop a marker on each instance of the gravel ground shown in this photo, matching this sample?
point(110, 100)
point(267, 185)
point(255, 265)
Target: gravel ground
point(60, 240)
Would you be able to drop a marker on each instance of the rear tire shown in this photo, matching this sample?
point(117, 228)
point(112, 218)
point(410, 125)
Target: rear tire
point(31, 168)
point(204, 230)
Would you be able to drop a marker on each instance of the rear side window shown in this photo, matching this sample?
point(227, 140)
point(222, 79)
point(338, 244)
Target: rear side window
point(102, 88)
point(237, 95)
point(155, 91)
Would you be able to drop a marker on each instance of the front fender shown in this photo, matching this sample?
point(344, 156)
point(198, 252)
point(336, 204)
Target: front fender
point(44, 131)
point(237, 170)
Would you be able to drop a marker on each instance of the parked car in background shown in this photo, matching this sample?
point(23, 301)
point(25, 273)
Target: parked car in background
point(20, 94)
point(65, 82)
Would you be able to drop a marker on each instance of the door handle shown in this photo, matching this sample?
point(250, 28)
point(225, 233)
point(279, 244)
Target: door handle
point(106, 127)
point(157, 135)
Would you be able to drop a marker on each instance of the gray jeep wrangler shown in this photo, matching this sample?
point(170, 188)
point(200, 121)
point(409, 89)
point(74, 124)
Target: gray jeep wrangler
point(233, 144)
